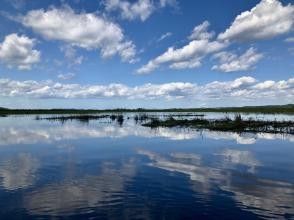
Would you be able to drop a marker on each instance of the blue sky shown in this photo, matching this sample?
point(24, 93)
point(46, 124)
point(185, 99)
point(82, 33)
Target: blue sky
point(144, 53)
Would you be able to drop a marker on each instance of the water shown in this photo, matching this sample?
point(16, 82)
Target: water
point(101, 170)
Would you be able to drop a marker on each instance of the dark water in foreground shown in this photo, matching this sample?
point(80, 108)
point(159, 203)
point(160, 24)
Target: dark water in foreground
point(102, 170)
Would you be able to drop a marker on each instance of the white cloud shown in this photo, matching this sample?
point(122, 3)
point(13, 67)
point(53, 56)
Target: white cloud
point(200, 32)
point(85, 30)
point(66, 76)
point(243, 88)
point(271, 85)
point(248, 88)
point(190, 64)
point(218, 89)
point(190, 55)
point(230, 62)
point(139, 9)
point(49, 89)
point(267, 19)
point(172, 90)
point(17, 51)
point(164, 36)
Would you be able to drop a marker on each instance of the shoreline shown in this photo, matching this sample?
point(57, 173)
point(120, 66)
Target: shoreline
point(269, 109)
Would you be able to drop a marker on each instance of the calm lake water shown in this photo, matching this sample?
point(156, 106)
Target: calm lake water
point(101, 170)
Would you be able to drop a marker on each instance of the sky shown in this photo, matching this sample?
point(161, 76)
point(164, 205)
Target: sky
point(146, 53)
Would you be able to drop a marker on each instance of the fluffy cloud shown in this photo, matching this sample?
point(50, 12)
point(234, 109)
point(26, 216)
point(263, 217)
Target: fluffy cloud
point(249, 88)
point(200, 32)
point(267, 19)
point(85, 30)
point(190, 55)
point(140, 9)
point(230, 62)
point(219, 89)
point(17, 51)
point(49, 89)
point(240, 88)
point(173, 90)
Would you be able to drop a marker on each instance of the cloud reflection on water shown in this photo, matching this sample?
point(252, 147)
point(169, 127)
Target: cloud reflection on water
point(267, 198)
point(82, 193)
point(19, 172)
point(38, 133)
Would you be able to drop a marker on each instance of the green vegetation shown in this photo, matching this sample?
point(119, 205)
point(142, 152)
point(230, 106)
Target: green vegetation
point(270, 109)
point(227, 124)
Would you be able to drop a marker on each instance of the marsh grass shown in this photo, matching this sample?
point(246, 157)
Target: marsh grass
point(141, 117)
point(226, 124)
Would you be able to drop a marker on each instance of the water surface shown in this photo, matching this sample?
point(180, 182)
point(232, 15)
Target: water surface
point(103, 170)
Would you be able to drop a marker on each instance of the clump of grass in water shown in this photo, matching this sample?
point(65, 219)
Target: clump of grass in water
point(227, 124)
point(141, 117)
point(120, 119)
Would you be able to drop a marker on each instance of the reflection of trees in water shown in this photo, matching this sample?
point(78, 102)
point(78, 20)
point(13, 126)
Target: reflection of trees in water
point(19, 172)
point(264, 197)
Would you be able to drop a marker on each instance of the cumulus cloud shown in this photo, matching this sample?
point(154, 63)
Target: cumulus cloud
point(201, 32)
point(17, 51)
point(190, 55)
point(166, 90)
point(49, 89)
point(85, 30)
point(241, 88)
point(249, 88)
point(230, 62)
point(267, 19)
point(139, 9)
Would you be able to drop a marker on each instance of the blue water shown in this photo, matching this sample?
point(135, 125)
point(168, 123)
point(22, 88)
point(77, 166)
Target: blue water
point(102, 170)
